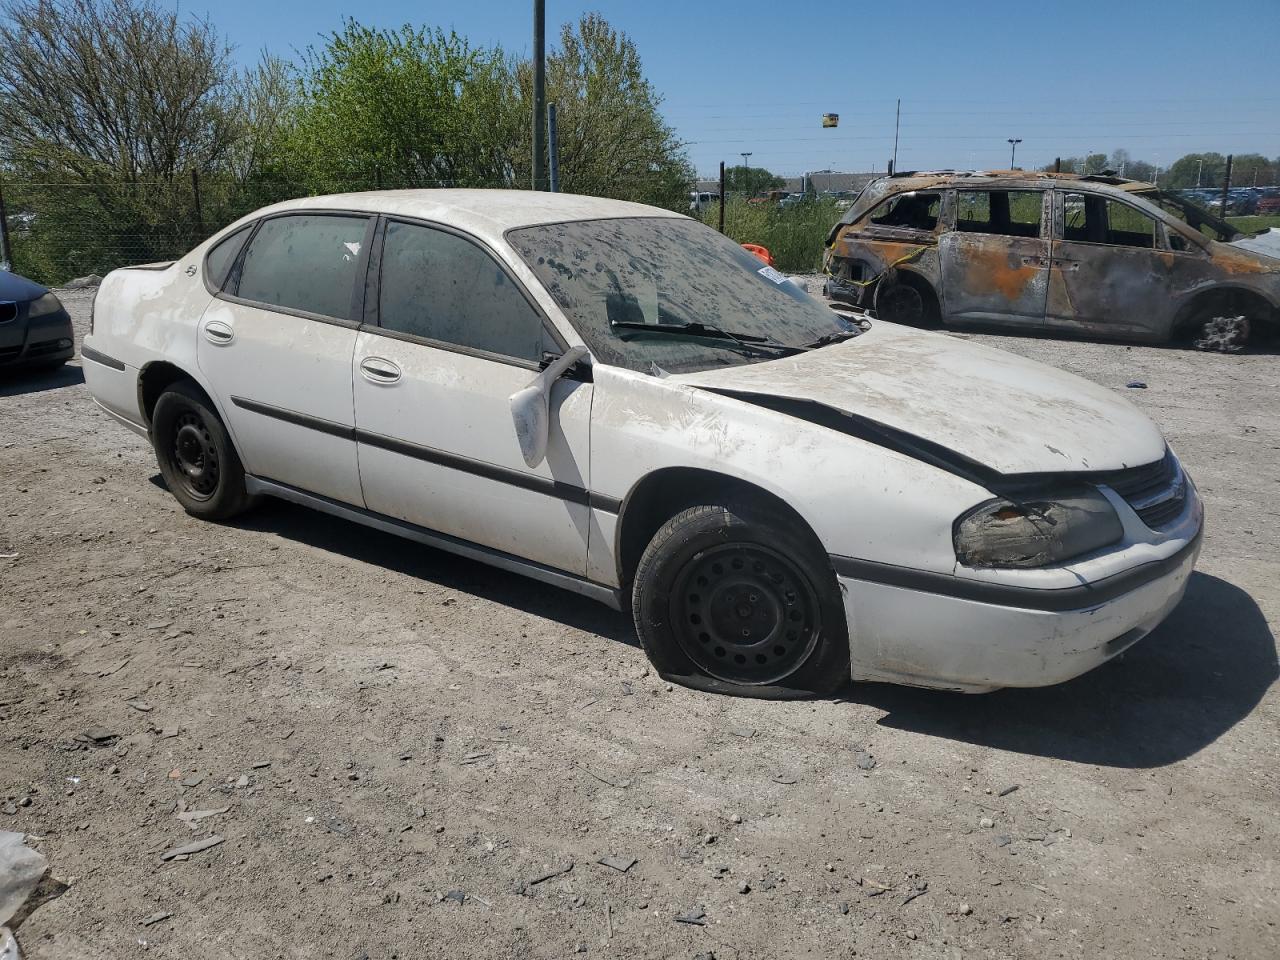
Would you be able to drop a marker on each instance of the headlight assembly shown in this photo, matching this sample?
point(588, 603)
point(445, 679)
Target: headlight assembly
point(45, 305)
point(1037, 531)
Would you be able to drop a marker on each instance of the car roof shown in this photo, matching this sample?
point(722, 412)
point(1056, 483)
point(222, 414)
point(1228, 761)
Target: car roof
point(485, 213)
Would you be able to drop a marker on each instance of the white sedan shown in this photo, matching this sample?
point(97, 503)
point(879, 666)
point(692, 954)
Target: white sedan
point(617, 400)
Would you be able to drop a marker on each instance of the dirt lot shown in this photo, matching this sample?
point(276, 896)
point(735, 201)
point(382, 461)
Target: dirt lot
point(404, 743)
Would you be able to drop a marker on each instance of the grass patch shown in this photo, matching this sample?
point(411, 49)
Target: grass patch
point(794, 234)
point(1254, 224)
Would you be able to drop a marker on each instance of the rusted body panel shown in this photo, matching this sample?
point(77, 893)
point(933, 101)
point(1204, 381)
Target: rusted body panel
point(1081, 272)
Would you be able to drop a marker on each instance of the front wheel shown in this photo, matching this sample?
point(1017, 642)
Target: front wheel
point(729, 597)
point(197, 459)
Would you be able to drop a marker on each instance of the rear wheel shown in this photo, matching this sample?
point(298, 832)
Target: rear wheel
point(730, 598)
point(196, 457)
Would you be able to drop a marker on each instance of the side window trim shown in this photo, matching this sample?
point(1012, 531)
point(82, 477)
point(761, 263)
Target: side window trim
point(373, 297)
point(231, 289)
point(248, 229)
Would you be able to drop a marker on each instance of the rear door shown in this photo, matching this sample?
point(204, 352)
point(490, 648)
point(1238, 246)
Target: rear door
point(995, 261)
point(449, 336)
point(1110, 276)
point(276, 347)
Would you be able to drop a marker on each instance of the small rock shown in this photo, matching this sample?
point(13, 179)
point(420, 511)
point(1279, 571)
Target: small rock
point(261, 765)
point(986, 823)
point(709, 839)
point(459, 895)
point(24, 802)
point(696, 916)
point(911, 935)
point(1136, 385)
point(844, 909)
point(194, 780)
point(736, 818)
point(242, 780)
point(580, 948)
point(965, 910)
point(865, 761)
point(1003, 840)
point(9, 809)
point(621, 864)
point(1007, 790)
point(155, 918)
point(744, 887)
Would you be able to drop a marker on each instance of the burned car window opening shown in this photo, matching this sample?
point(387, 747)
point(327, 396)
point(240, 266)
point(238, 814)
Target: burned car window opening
point(643, 291)
point(910, 211)
point(1009, 213)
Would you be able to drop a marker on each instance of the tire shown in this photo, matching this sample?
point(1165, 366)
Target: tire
point(732, 598)
point(199, 464)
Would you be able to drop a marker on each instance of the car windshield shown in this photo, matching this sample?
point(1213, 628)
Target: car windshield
point(614, 278)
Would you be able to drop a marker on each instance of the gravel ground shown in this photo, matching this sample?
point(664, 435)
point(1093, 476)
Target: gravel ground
point(416, 756)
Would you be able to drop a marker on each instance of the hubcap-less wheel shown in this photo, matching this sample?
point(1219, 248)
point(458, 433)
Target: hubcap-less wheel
point(195, 456)
point(902, 304)
point(744, 614)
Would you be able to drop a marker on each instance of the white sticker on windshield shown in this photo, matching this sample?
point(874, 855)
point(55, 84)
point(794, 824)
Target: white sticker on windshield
point(771, 274)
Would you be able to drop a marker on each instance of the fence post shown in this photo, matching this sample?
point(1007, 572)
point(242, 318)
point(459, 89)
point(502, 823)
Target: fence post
point(6, 250)
point(1057, 165)
point(195, 192)
point(1226, 186)
point(553, 148)
point(723, 198)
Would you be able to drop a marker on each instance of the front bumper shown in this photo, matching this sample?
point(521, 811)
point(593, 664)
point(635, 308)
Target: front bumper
point(904, 634)
point(36, 342)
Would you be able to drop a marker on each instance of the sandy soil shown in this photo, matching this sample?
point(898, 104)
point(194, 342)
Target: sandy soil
point(402, 746)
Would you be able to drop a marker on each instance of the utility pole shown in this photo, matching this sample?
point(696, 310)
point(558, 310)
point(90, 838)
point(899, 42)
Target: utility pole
point(553, 148)
point(746, 173)
point(539, 91)
point(722, 201)
point(6, 250)
point(897, 119)
point(1226, 186)
point(1013, 150)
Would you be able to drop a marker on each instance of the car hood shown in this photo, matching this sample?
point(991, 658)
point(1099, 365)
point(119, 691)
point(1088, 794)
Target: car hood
point(19, 289)
point(1266, 243)
point(1010, 415)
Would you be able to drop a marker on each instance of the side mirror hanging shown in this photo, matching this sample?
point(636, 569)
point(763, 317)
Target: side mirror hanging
point(531, 407)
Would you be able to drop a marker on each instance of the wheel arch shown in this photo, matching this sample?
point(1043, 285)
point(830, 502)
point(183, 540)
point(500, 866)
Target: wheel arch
point(660, 495)
point(1229, 298)
point(154, 378)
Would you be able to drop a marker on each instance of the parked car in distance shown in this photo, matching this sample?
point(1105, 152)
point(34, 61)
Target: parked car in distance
point(35, 331)
point(699, 201)
point(1097, 256)
point(618, 400)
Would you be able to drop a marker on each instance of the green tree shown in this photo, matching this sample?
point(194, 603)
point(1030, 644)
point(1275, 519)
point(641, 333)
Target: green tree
point(1206, 168)
point(415, 107)
point(750, 180)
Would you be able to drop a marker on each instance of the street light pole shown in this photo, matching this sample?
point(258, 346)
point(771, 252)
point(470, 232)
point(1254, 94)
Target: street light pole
point(746, 179)
point(1199, 170)
point(1013, 150)
point(539, 93)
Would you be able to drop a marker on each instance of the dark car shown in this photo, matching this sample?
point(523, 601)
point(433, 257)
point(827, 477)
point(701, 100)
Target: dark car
point(35, 331)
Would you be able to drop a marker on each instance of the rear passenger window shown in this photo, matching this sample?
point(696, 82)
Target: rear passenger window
point(913, 211)
point(223, 254)
point(1096, 219)
point(1007, 213)
point(1129, 227)
point(439, 286)
point(304, 262)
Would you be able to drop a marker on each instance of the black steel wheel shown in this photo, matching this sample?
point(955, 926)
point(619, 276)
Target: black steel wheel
point(196, 457)
point(745, 614)
point(741, 599)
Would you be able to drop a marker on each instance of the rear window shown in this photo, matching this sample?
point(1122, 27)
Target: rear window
point(305, 262)
point(910, 211)
point(217, 264)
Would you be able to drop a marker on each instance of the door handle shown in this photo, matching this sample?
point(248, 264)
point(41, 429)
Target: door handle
point(215, 331)
point(378, 370)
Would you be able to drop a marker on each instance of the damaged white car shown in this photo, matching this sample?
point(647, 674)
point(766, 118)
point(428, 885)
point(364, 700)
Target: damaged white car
point(617, 400)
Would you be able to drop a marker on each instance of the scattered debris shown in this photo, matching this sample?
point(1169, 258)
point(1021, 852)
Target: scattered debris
point(874, 888)
point(965, 910)
point(191, 816)
point(459, 895)
point(98, 736)
point(1136, 385)
point(553, 872)
point(696, 916)
point(986, 823)
point(1007, 790)
point(865, 761)
point(783, 778)
point(919, 890)
point(261, 765)
point(1003, 840)
point(155, 918)
point(621, 864)
point(340, 827)
point(139, 705)
point(196, 846)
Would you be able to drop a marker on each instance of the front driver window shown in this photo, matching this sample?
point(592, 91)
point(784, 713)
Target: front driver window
point(439, 286)
point(912, 211)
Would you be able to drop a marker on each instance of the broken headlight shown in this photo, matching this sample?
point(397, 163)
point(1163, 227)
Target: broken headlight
point(1036, 531)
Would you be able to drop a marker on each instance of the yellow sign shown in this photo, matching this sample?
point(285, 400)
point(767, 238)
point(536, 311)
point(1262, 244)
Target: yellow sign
point(831, 119)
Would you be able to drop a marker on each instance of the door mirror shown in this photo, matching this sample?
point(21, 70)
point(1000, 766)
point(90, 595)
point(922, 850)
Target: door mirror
point(531, 407)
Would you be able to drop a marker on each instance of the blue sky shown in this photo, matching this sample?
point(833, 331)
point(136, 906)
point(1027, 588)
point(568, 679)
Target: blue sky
point(1158, 78)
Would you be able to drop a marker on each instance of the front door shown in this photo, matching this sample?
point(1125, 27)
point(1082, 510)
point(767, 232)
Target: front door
point(276, 347)
point(1109, 277)
point(995, 262)
point(449, 337)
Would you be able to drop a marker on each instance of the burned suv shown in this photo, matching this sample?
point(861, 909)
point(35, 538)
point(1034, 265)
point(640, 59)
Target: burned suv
point(1094, 255)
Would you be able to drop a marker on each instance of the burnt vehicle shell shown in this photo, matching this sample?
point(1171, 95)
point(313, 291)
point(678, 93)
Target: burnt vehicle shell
point(914, 247)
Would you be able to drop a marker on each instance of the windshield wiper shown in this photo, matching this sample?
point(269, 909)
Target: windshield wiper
point(751, 340)
point(836, 336)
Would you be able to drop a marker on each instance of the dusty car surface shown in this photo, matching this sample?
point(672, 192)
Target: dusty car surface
point(617, 400)
point(1097, 256)
point(35, 331)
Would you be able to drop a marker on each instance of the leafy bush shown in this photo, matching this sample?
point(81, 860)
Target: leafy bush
point(793, 234)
